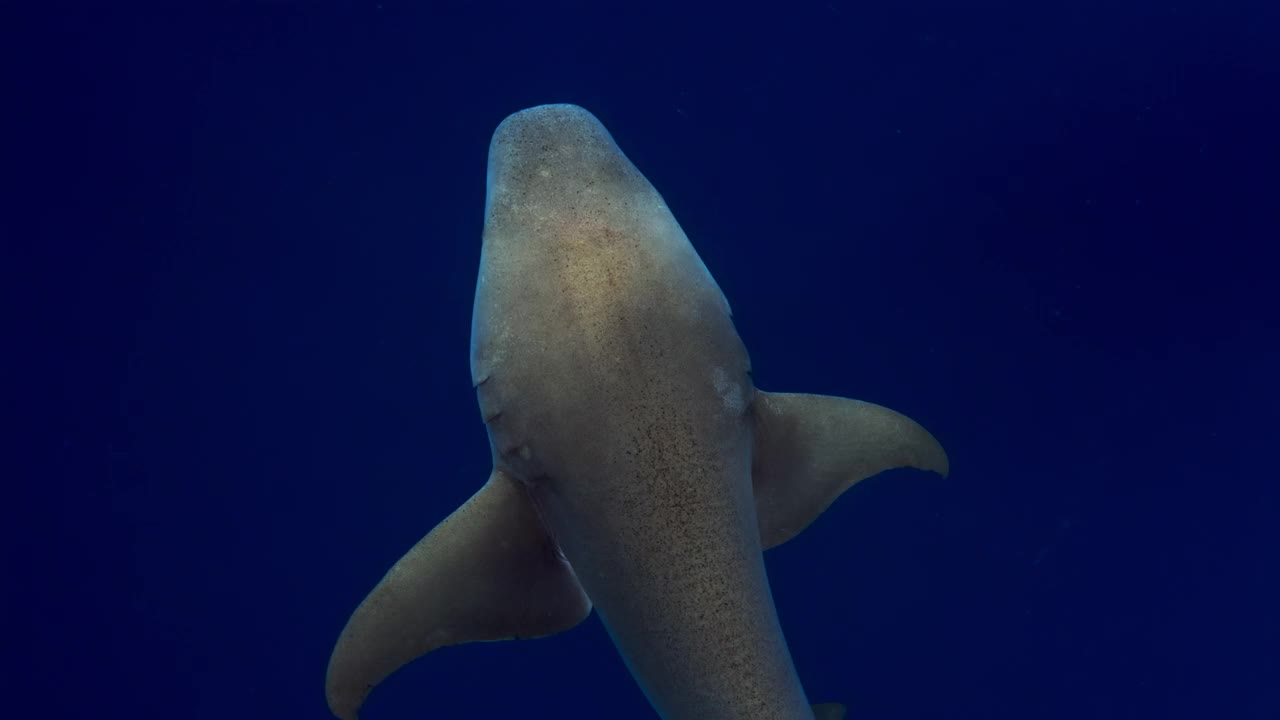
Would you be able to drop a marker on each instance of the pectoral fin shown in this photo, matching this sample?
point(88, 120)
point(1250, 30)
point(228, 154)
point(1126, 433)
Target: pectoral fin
point(488, 572)
point(811, 448)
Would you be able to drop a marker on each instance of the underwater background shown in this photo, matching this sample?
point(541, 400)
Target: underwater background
point(242, 241)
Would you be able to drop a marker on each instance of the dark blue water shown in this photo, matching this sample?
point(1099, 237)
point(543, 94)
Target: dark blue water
point(245, 240)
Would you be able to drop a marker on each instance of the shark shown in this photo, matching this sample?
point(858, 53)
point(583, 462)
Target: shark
point(637, 470)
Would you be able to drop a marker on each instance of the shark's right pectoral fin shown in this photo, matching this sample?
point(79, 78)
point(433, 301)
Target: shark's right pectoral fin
point(811, 448)
point(488, 572)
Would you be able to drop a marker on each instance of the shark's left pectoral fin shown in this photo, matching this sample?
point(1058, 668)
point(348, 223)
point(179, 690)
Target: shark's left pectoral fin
point(488, 572)
point(811, 448)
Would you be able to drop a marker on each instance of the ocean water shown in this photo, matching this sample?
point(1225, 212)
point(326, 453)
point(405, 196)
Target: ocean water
point(243, 240)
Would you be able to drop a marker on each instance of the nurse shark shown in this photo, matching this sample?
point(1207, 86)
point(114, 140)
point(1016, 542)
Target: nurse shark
point(636, 467)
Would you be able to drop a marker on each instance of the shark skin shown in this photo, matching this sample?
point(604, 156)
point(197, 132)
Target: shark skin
point(636, 468)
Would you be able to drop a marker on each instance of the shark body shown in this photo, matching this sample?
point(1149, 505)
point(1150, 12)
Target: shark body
point(636, 468)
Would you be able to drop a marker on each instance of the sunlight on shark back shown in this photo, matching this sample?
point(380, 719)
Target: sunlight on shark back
point(636, 468)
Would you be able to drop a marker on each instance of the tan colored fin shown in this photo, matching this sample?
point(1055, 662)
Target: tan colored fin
point(828, 711)
point(488, 572)
point(811, 448)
